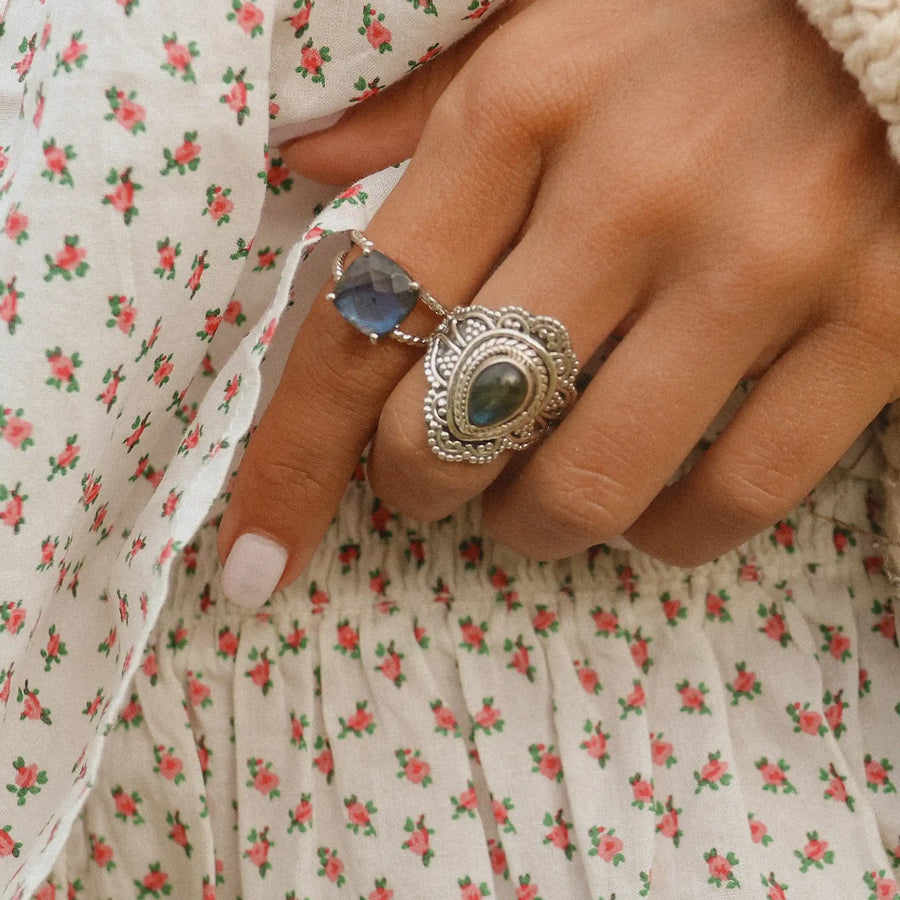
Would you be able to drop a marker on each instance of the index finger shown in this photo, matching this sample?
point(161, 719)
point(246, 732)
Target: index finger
point(326, 407)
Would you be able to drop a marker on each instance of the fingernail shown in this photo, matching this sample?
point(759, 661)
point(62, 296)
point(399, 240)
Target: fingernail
point(252, 570)
point(618, 543)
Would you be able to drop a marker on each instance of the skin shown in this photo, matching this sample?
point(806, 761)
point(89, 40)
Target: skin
point(700, 179)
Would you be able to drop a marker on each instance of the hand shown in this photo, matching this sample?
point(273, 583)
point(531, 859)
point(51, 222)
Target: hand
point(701, 179)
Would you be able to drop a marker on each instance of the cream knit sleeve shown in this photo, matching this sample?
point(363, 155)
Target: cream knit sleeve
point(867, 34)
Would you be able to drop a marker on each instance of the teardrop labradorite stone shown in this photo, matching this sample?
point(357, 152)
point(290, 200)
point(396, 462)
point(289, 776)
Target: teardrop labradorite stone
point(496, 394)
point(374, 294)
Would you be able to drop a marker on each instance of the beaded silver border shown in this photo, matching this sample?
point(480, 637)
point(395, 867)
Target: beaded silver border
point(468, 340)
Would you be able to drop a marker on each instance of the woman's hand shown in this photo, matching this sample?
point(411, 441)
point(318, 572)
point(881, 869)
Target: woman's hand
point(701, 179)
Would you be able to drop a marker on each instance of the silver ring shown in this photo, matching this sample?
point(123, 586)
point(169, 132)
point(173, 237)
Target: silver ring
point(499, 379)
point(375, 295)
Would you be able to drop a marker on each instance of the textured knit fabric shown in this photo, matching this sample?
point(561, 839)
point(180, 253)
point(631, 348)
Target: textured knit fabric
point(423, 713)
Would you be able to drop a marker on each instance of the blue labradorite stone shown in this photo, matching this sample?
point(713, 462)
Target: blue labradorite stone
point(496, 394)
point(374, 294)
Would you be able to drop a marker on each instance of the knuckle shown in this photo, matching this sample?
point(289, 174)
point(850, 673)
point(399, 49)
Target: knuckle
point(751, 497)
point(571, 508)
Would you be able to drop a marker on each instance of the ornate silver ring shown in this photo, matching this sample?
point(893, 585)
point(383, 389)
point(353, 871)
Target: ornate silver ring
point(499, 379)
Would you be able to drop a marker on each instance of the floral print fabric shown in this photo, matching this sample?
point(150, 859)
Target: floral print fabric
point(423, 715)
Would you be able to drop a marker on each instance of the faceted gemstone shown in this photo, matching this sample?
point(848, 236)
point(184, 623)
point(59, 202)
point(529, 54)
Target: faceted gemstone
point(496, 394)
point(374, 294)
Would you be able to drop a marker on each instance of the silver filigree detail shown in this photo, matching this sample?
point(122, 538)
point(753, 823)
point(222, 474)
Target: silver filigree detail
point(466, 342)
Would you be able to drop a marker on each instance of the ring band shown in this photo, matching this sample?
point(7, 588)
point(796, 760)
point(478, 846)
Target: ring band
point(375, 295)
point(499, 379)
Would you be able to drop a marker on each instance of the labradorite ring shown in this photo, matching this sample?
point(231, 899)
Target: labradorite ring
point(499, 379)
point(375, 295)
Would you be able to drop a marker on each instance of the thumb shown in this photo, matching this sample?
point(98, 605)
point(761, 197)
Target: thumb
point(385, 129)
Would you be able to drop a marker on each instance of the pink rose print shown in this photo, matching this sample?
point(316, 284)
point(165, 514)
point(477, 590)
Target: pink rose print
point(168, 765)
point(881, 885)
point(360, 723)
point(123, 314)
point(312, 60)
point(606, 844)
point(473, 635)
point(673, 609)
point(125, 111)
point(299, 21)
point(419, 840)
point(248, 16)
point(262, 778)
point(668, 825)
point(15, 430)
point(258, 850)
point(392, 664)
point(347, 640)
point(520, 660)
point(488, 718)
point(774, 628)
point(877, 774)
point(468, 890)
point(68, 262)
point(374, 30)
point(75, 54)
point(642, 793)
point(184, 158)
point(266, 259)
point(559, 834)
point(606, 621)
point(836, 642)
point(261, 673)
point(714, 773)
point(236, 98)
point(836, 787)
point(716, 607)
point(12, 505)
point(218, 204)
point(775, 776)
point(9, 305)
point(639, 648)
point(587, 676)
point(121, 198)
point(13, 616)
point(816, 853)
point(635, 701)
point(413, 768)
point(744, 686)
point(178, 833)
point(359, 815)
point(444, 720)
point(596, 745)
point(759, 833)
point(16, 224)
point(56, 161)
point(179, 57)
point(301, 815)
point(783, 535)
point(127, 805)
point(547, 762)
point(101, 853)
point(886, 625)
point(721, 869)
point(806, 720)
point(693, 698)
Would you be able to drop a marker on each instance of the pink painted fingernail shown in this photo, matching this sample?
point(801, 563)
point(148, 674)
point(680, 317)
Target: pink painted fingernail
point(252, 570)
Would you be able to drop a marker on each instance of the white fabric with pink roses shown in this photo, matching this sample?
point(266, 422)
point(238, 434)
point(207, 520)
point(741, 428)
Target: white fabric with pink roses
point(423, 714)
